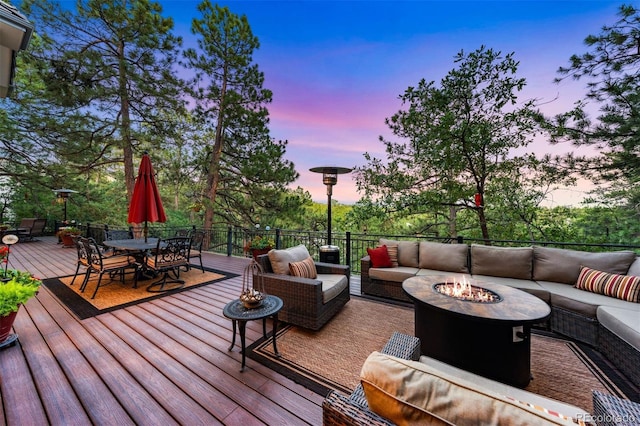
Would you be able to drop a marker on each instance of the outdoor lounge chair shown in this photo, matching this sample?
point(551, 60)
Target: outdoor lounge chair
point(30, 228)
point(308, 302)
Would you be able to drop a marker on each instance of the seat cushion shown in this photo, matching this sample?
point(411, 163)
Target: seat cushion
point(332, 285)
point(529, 286)
point(113, 262)
point(280, 259)
point(411, 392)
point(396, 275)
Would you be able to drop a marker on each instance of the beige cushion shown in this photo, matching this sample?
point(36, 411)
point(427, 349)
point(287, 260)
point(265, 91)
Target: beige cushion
point(508, 262)
point(563, 266)
point(407, 251)
point(444, 257)
point(305, 268)
point(396, 275)
point(280, 259)
point(410, 392)
point(634, 269)
point(332, 285)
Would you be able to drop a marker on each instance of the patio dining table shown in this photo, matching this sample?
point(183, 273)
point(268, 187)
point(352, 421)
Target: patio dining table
point(132, 244)
point(136, 247)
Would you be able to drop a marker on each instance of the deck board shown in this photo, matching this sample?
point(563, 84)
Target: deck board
point(165, 361)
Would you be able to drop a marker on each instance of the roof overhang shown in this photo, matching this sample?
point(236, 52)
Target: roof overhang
point(15, 34)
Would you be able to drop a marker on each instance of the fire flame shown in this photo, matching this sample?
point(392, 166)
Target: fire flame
point(463, 290)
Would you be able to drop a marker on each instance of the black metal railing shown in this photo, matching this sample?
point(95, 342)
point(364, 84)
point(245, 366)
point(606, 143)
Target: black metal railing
point(352, 247)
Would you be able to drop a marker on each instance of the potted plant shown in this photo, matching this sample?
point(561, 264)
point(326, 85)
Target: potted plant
point(66, 234)
point(259, 245)
point(16, 288)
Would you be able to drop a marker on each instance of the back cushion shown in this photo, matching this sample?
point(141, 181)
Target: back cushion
point(280, 259)
point(444, 257)
point(410, 392)
point(563, 266)
point(508, 262)
point(407, 251)
point(634, 269)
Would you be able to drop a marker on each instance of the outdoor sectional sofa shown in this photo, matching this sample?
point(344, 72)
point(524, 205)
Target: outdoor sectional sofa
point(610, 324)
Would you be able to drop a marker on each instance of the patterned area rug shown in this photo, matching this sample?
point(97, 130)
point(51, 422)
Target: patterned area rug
point(116, 294)
point(331, 358)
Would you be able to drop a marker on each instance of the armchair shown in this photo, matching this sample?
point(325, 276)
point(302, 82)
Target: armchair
point(308, 302)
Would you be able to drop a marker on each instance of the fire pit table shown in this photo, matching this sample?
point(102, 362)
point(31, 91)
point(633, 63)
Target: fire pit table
point(486, 330)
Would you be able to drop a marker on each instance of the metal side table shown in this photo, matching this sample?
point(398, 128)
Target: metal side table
point(237, 313)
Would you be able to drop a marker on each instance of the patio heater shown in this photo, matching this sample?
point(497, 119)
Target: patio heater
point(63, 195)
point(330, 253)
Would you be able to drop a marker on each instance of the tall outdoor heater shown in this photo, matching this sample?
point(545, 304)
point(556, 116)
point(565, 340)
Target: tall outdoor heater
point(63, 195)
point(330, 174)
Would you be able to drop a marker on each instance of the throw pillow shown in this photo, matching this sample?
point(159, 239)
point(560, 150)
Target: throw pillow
point(379, 257)
point(625, 287)
point(304, 269)
point(392, 250)
point(280, 259)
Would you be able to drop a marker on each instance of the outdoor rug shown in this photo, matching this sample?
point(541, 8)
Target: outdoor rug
point(331, 358)
point(116, 295)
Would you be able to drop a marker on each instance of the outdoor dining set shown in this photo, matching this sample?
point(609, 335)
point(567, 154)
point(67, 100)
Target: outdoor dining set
point(161, 259)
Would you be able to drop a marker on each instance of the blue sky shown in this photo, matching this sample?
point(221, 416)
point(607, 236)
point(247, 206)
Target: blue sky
point(336, 68)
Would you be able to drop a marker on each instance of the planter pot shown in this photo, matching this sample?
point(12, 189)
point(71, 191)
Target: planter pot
point(6, 322)
point(257, 252)
point(67, 240)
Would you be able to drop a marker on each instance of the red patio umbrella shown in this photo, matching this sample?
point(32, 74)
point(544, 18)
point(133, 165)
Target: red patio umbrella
point(146, 205)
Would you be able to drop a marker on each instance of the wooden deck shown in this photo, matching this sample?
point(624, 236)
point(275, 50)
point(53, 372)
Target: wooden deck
point(160, 362)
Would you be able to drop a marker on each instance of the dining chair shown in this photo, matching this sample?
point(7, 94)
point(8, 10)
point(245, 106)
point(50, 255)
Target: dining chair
point(102, 264)
point(83, 257)
point(197, 239)
point(116, 234)
point(169, 256)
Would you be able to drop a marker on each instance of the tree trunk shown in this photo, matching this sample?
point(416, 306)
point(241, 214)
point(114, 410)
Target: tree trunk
point(125, 127)
point(213, 178)
point(483, 225)
point(453, 230)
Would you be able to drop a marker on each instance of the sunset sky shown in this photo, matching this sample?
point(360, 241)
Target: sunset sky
point(336, 68)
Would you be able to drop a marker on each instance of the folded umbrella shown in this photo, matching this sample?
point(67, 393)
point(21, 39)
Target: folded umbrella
point(146, 205)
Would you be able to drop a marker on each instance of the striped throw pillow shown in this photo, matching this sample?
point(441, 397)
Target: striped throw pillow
point(625, 287)
point(392, 250)
point(305, 268)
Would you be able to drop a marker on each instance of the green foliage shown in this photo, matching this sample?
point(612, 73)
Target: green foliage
point(611, 69)
point(20, 288)
point(242, 170)
point(260, 242)
point(457, 139)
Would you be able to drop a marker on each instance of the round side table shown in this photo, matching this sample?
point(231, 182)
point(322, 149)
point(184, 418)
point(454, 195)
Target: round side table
point(237, 313)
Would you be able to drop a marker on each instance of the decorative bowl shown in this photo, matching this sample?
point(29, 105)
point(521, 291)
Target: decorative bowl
point(251, 299)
